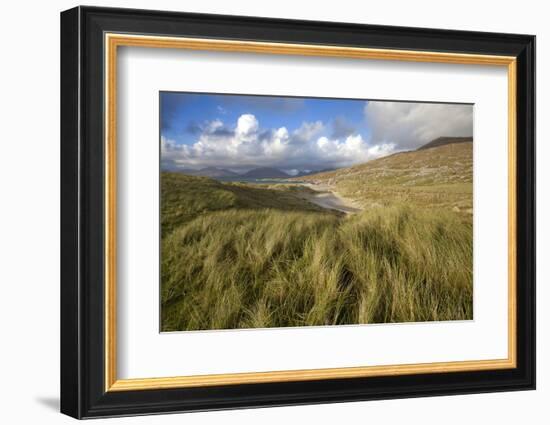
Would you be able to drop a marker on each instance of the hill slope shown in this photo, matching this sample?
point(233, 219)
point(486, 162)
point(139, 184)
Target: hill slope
point(185, 197)
point(441, 141)
point(440, 176)
point(266, 173)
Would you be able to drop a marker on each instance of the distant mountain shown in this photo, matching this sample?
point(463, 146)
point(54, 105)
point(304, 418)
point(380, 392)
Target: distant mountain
point(266, 173)
point(441, 141)
point(256, 173)
point(309, 173)
point(211, 172)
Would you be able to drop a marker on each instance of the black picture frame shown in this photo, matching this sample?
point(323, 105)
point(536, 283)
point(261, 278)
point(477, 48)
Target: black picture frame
point(83, 392)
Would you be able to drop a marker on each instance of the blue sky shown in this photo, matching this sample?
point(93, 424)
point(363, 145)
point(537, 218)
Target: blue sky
point(240, 132)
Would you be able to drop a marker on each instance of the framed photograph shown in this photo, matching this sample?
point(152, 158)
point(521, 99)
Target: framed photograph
point(261, 212)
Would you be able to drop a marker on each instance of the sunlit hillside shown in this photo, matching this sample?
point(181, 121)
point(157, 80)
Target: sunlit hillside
point(439, 177)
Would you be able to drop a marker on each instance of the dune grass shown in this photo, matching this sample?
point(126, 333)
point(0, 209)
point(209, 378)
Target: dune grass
point(185, 197)
point(236, 256)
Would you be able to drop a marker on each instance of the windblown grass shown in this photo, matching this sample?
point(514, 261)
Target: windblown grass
point(234, 256)
point(185, 197)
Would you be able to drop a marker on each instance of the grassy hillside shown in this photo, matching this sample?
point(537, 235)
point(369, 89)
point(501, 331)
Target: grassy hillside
point(242, 256)
point(438, 177)
point(184, 197)
point(440, 141)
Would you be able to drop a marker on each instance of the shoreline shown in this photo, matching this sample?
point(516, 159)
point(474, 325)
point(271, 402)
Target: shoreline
point(330, 199)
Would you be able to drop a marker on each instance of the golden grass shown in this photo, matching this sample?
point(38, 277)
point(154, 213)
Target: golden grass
point(440, 177)
point(236, 256)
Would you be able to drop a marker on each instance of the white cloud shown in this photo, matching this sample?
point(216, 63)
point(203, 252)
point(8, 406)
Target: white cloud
point(212, 126)
point(353, 149)
point(394, 126)
point(410, 125)
point(307, 131)
point(248, 145)
point(247, 125)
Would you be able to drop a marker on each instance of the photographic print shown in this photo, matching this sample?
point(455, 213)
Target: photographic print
point(299, 211)
point(241, 249)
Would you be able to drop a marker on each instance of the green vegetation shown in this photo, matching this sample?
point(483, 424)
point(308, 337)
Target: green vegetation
point(247, 256)
point(439, 177)
point(185, 197)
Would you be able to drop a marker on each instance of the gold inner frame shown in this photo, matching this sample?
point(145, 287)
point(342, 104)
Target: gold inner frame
point(113, 41)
